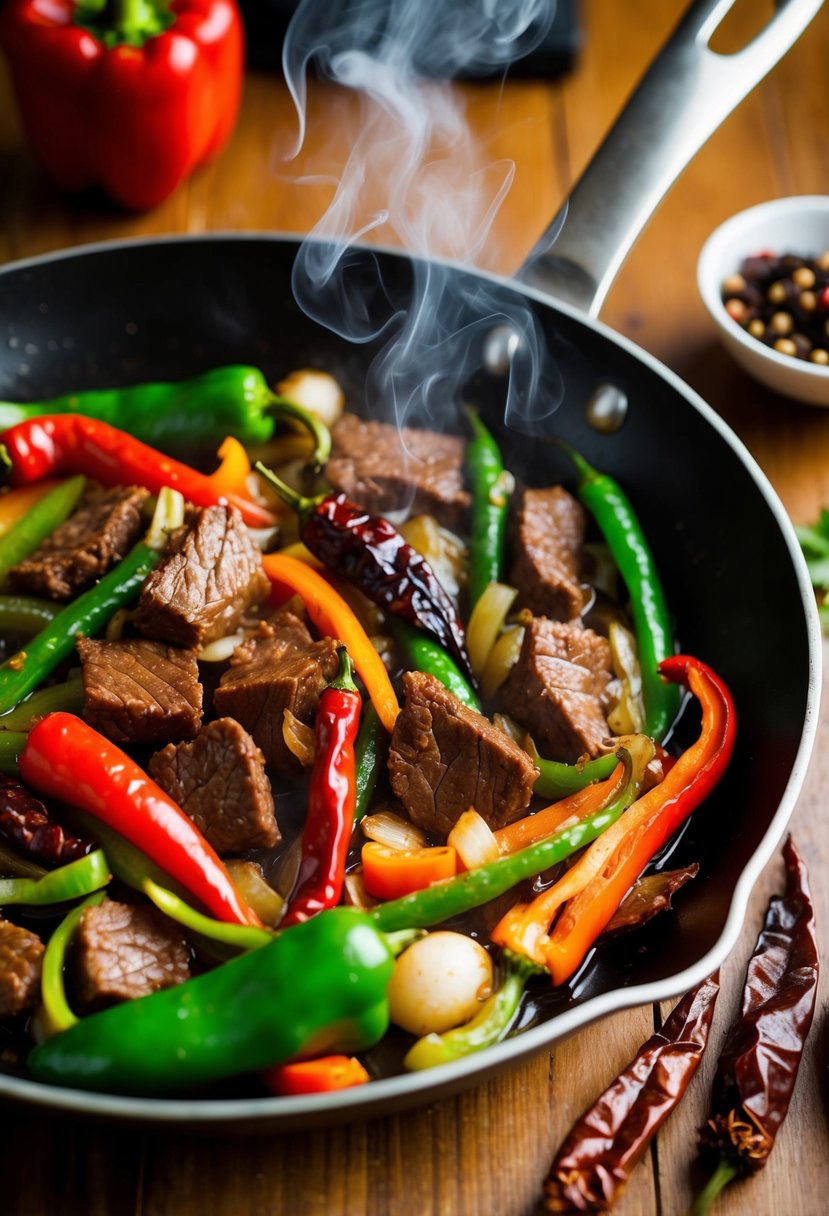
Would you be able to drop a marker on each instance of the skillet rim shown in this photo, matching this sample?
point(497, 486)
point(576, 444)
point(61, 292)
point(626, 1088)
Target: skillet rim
point(409, 1090)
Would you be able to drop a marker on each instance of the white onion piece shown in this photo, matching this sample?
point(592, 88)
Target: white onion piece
point(392, 831)
point(300, 740)
point(116, 623)
point(438, 983)
point(221, 649)
point(249, 881)
point(486, 621)
point(501, 659)
point(628, 715)
point(473, 841)
point(264, 538)
point(314, 391)
point(356, 894)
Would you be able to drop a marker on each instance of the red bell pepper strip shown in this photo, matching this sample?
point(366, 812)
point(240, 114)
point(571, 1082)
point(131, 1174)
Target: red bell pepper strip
point(331, 798)
point(319, 1076)
point(127, 95)
point(66, 759)
point(651, 821)
point(72, 443)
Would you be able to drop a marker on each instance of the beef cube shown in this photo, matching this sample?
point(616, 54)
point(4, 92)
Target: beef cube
point(557, 689)
point(136, 691)
point(211, 575)
point(83, 547)
point(21, 953)
point(219, 780)
point(384, 469)
point(270, 673)
point(445, 758)
point(548, 534)
point(123, 951)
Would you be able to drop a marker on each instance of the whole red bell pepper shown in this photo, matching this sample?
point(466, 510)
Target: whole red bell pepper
point(127, 95)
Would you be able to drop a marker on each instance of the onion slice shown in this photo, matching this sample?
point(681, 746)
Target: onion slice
point(473, 841)
point(393, 831)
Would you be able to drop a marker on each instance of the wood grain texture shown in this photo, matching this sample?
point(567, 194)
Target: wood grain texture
point(487, 1150)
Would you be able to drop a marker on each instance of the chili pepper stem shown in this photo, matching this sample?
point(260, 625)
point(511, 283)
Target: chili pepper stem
point(344, 679)
point(400, 939)
point(315, 426)
point(297, 502)
point(725, 1172)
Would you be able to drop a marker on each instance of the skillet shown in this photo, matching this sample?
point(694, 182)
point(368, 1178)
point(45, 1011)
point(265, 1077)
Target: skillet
point(731, 565)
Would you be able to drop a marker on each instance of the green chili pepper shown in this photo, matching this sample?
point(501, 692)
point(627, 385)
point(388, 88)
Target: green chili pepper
point(435, 904)
point(88, 614)
point(13, 863)
point(67, 697)
point(12, 743)
point(78, 878)
point(613, 512)
point(25, 614)
point(184, 416)
point(319, 988)
point(38, 523)
point(556, 780)
point(56, 1015)
point(423, 653)
point(245, 937)
point(489, 1025)
point(369, 754)
point(491, 489)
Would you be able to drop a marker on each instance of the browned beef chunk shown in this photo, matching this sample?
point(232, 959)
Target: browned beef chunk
point(271, 672)
point(557, 687)
point(136, 691)
point(445, 758)
point(386, 470)
point(123, 951)
point(20, 959)
point(83, 548)
point(547, 538)
point(209, 578)
point(219, 780)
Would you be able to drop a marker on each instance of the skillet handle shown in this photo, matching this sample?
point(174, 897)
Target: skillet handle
point(685, 95)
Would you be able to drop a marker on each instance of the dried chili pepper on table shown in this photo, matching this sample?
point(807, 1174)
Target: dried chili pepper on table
point(759, 1062)
point(368, 551)
point(72, 443)
point(331, 800)
point(595, 1162)
point(127, 95)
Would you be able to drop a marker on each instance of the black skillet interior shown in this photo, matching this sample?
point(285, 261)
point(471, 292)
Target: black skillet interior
point(170, 309)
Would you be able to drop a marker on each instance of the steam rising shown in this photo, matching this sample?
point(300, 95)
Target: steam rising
point(432, 188)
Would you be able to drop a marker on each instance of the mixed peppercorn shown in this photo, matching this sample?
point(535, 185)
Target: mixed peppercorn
point(783, 301)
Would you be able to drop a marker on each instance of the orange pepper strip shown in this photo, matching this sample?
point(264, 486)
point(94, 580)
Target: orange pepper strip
point(332, 616)
point(15, 504)
point(393, 873)
point(315, 1076)
point(234, 470)
point(572, 809)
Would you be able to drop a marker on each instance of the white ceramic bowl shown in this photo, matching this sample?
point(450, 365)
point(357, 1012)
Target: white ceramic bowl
point(785, 225)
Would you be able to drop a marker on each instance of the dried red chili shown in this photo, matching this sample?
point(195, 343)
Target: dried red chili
point(758, 1066)
point(26, 823)
point(649, 895)
point(595, 1162)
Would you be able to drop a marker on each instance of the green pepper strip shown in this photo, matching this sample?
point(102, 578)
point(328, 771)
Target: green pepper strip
point(88, 614)
point(246, 937)
point(557, 780)
point(183, 416)
point(67, 697)
point(38, 523)
point(423, 653)
point(614, 514)
point(78, 878)
point(56, 1014)
point(12, 743)
point(25, 614)
point(453, 896)
point(491, 488)
point(489, 1025)
point(369, 753)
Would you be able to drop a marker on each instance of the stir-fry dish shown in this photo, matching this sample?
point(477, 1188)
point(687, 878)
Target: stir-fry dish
point(294, 797)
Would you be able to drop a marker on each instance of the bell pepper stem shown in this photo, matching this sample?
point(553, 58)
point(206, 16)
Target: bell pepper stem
point(725, 1172)
point(297, 502)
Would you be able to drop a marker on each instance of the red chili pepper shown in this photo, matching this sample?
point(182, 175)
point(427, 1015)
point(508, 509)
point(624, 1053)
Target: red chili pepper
point(331, 800)
point(66, 759)
point(126, 95)
point(72, 443)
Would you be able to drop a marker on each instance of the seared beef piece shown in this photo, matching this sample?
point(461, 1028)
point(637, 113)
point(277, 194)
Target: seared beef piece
point(136, 691)
point(548, 534)
point(386, 470)
point(273, 671)
point(445, 758)
point(211, 575)
point(83, 548)
point(123, 951)
point(219, 780)
point(557, 688)
point(21, 953)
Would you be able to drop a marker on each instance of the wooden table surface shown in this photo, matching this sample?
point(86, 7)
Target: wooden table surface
point(486, 1151)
